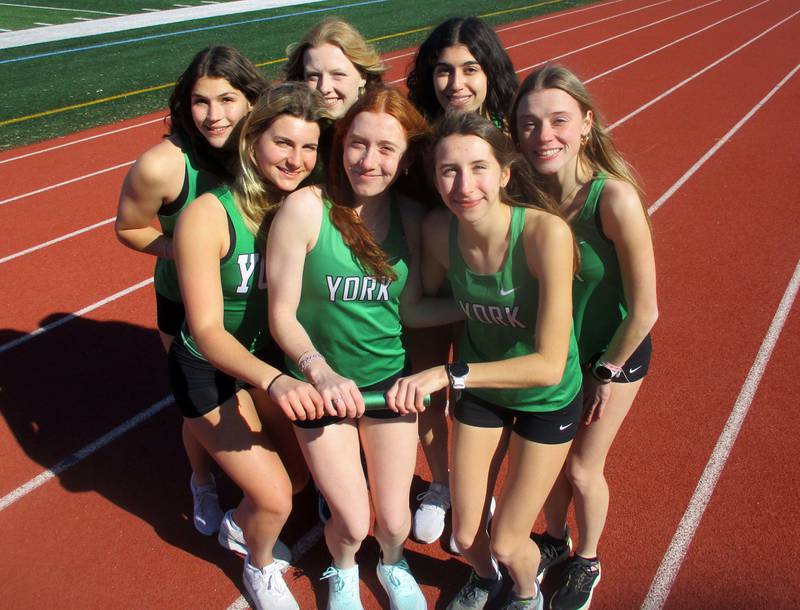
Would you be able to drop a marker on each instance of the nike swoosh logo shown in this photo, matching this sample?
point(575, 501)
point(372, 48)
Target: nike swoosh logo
point(562, 428)
point(632, 371)
point(505, 293)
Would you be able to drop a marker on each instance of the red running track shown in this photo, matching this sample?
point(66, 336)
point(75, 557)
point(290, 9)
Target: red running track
point(699, 98)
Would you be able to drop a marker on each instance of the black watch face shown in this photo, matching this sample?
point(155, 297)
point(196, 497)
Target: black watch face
point(604, 373)
point(458, 369)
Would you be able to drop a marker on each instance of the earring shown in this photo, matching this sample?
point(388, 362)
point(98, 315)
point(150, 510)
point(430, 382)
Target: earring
point(584, 139)
point(361, 90)
point(405, 172)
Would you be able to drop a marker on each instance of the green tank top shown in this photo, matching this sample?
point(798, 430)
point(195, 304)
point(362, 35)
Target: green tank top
point(501, 310)
point(598, 299)
point(195, 183)
point(244, 284)
point(353, 319)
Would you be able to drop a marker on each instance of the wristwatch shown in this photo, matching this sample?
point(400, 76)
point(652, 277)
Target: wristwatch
point(603, 373)
point(457, 373)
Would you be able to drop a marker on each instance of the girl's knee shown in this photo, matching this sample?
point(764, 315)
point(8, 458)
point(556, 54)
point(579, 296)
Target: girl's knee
point(351, 529)
point(580, 475)
point(395, 524)
point(507, 549)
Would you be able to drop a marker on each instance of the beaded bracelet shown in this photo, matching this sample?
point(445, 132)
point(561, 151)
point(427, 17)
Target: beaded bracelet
point(305, 360)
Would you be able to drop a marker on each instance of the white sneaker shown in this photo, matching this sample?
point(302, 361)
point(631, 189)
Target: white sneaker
point(231, 537)
point(454, 547)
point(429, 517)
point(266, 588)
point(401, 587)
point(207, 513)
point(343, 588)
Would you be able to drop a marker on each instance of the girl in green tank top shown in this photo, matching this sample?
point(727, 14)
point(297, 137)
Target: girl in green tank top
point(343, 272)
point(195, 157)
point(509, 258)
point(219, 248)
point(559, 130)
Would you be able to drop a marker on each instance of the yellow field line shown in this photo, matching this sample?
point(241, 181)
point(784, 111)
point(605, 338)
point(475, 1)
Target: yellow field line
point(119, 96)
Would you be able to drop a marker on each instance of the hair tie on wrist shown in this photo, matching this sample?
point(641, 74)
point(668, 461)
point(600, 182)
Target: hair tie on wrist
point(274, 379)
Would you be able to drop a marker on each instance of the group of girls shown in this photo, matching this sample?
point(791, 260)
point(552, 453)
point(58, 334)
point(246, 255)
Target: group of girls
point(542, 248)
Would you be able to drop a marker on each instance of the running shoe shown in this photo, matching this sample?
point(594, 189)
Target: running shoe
point(474, 595)
point(231, 537)
point(429, 517)
point(552, 550)
point(266, 588)
point(454, 547)
point(531, 603)
point(575, 592)
point(343, 588)
point(207, 513)
point(398, 582)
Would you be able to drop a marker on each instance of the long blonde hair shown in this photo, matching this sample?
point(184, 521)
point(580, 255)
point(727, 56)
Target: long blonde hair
point(256, 197)
point(599, 153)
point(341, 34)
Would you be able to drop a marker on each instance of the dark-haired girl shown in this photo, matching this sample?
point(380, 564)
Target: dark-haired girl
point(509, 258)
point(211, 97)
point(560, 132)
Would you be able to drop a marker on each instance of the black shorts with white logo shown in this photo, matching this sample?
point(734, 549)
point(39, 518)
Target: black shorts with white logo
point(547, 427)
point(635, 367)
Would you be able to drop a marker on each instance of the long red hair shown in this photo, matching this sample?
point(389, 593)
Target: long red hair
point(338, 190)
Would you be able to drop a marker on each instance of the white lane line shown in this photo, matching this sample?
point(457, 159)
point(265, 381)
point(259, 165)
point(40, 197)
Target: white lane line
point(723, 140)
point(69, 317)
point(45, 244)
point(594, 44)
point(673, 558)
point(304, 544)
point(66, 182)
point(83, 453)
point(81, 140)
point(674, 42)
point(616, 36)
point(713, 64)
point(610, 17)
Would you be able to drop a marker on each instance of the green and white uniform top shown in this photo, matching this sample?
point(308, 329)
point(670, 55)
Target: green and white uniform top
point(353, 318)
point(195, 183)
point(244, 284)
point(501, 310)
point(598, 298)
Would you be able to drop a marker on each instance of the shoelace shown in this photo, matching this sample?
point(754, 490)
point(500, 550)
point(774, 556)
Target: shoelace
point(398, 575)
point(435, 497)
point(579, 575)
point(470, 591)
point(272, 580)
point(339, 583)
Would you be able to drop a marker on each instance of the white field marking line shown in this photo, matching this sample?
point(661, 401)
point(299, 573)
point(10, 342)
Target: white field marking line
point(72, 316)
point(523, 24)
point(674, 42)
point(79, 141)
point(647, 25)
point(56, 8)
point(55, 240)
point(713, 64)
point(673, 559)
point(66, 182)
point(609, 18)
point(620, 35)
point(299, 550)
point(723, 140)
point(83, 453)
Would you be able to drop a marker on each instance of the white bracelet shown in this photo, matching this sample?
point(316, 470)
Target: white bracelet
point(305, 360)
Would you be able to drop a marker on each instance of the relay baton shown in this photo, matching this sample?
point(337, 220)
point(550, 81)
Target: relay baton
point(377, 400)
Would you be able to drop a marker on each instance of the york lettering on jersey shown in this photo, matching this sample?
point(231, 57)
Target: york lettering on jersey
point(356, 288)
point(491, 314)
point(247, 266)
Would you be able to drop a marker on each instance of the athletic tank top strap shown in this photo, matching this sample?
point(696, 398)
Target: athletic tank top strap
point(244, 284)
point(589, 209)
point(501, 310)
point(353, 318)
point(195, 183)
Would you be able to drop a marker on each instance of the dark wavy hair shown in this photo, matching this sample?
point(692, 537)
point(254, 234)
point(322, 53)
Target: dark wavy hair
point(213, 62)
point(485, 47)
